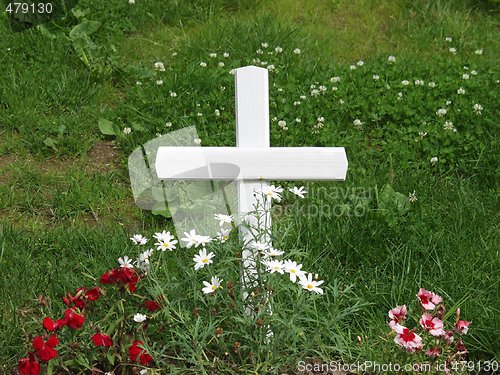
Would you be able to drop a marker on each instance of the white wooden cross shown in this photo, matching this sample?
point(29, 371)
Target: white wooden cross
point(256, 160)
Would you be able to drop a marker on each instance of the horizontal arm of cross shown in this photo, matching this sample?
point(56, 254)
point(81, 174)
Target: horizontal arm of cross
point(234, 163)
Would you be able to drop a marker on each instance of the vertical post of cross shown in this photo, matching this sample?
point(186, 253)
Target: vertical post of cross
point(252, 130)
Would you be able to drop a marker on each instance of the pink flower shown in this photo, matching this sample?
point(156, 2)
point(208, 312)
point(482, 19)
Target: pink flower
point(433, 325)
point(407, 339)
point(397, 315)
point(433, 352)
point(462, 327)
point(448, 337)
point(429, 300)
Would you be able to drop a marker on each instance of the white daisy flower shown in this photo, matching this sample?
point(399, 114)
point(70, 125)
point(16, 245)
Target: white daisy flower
point(125, 262)
point(294, 269)
point(202, 240)
point(223, 219)
point(272, 252)
point(272, 192)
point(310, 284)
point(223, 235)
point(274, 266)
point(139, 239)
point(202, 259)
point(212, 286)
point(190, 239)
point(260, 246)
point(299, 192)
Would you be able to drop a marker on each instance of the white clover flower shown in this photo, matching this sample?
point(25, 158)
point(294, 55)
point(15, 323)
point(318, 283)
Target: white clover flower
point(478, 52)
point(448, 126)
point(453, 50)
point(139, 318)
point(422, 134)
point(412, 197)
point(159, 82)
point(212, 286)
point(321, 119)
point(335, 79)
point(168, 124)
point(360, 63)
point(441, 112)
point(203, 64)
point(303, 97)
point(299, 192)
point(352, 67)
point(131, 2)
point(139, 239)
point(293, 269)
point(448, 39)
point(478, 108)
point(159, 66)
point(334, 88)
point(174, 54)
point(405, 82)
point(138, 83)
point(223, 219)
point(391, 59)
point(282, 124)
point(225, 54)
point(199, 114)
point(232, 71)
point(259, 52)
point(271, 67)
point(223, 235)
point(298, 120)
point(274, 266)
point(296, 103)
point(341, 101)
point(465, 76)
point(221, 64)
point(263, 63)
point(310, 284)
point(419, 82)
point(125, 262)
point(357, 123)
point(297, 51)
point(315, 92)
point(448, 102)
point(272, 192)
point(376, 77)
point(461, 91)
point(473, 72)
point(264, 45)
point(432, 84)
point(434, 160)
point(127, 130)
point(217, 112)
point(400, 95)
point(278, 49)
point(212, 55)
point(173, 94)
point(202, 259)
point(322, 88)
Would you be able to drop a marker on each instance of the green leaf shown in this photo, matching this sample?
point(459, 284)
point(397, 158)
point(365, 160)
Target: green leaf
point(161, 209)
point(49, 142)
point(106, 127)
point(111, 358)
point(84, 28)
point(137, 127)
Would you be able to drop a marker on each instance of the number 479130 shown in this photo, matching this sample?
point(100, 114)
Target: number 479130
point(28, 8)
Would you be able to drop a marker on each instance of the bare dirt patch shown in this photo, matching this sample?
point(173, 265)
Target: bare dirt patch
point(103, 157)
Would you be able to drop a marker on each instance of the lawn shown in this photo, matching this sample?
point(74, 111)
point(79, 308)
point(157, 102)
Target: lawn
point(409, 88)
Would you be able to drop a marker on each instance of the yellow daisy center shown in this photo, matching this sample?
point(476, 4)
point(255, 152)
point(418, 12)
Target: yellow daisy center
point(310, 286)
point(214, 287)
point(292, 270)
point(204, 260)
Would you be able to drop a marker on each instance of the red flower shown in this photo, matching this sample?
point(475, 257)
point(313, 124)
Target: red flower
point(151, 305)
point(93, 294)
point(45, 350)
point(100, 339)
point(28, 366)
point(73, 319)
point(433, 352)
point(125, 276)
point(51, 326)
point(76, 300)
point(135, 352)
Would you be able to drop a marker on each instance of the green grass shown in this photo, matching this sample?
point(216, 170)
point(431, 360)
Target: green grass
point(66, 214)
